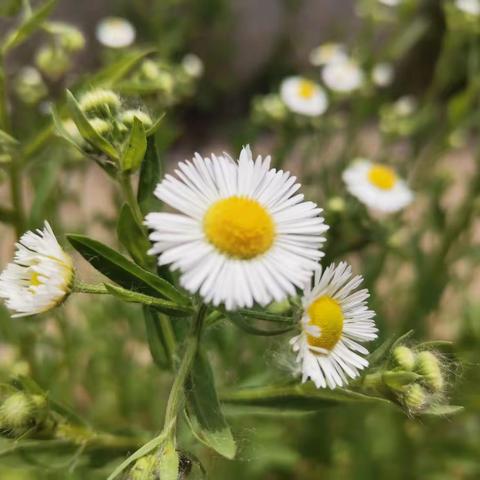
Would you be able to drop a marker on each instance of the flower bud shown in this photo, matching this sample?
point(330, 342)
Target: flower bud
point(101, 126)
point(29, 85)
point(150, 69)
point(99, 100)
point(20, 412)
point(429, 367)
point(336, 204)
point(415, 397)
point(69, 37)
point(397, 380)
point(128, 116)
point(53, 62)
point(404, 357)
point(192, 65)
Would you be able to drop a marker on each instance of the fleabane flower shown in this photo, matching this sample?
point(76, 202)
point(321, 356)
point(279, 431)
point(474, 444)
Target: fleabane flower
point(471, 7)
point(377, 186)
point(303, 96)
point(328, 53)
point(40, 276)
point(115, 32)
point(343, 76)
point(244, 234)
point(335, 321)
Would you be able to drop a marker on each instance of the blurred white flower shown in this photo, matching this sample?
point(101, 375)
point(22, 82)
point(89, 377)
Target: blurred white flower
point(377, 186)
point(471, 7)
point(343, 76)
point(40, 276)
point(328, 53)
point(193, 65)
point(391, 3)
point(244, 234)
point(115, 32)
point(382, 74)
point(405, 105)
point(303, 96)
point(335, 321)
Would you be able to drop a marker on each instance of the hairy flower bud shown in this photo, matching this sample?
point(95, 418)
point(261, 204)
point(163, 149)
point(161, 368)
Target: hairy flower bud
point(20, 412)
point(101, 126)
point(128, 116)
point(53, 62)
point(404, 357)
point(99, 100)
point(428, 365)
point(415, 397)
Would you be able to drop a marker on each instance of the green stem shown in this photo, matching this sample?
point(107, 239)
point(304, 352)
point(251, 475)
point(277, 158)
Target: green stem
point(82, 287)
point(175, 400)
point(17, 197)
point(130, 198)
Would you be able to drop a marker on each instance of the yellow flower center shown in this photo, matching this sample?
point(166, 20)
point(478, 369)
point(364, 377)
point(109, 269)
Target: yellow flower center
point(326, 313)
point(382, 177)
point(35, 280)
point(239, 227)
point(306, 89)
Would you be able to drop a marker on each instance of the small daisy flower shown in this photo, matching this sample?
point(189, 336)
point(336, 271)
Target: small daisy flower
point(303, 96)
point(471, 7)
point(243, 234)
point(336, 320)
point(40, 276)
point(377, 186)
point(382, 74)
point(193, 65)
point(115, 32)
point(343, 76)
point(328, 53)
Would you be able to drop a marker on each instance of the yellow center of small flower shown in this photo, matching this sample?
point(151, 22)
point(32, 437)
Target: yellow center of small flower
point(239, 227)
point(326, 313)
point(35, 280)
point(382, 177)
point(306, 89)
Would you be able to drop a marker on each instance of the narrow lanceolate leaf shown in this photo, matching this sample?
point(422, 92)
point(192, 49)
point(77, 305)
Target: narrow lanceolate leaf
point(28, 26)
point(87, 131)
point(204, 412)
point(150, 174)
point(153, 129)
point(159, 304)
point(135, 148)
point(133, 237)
point(124, 272)
point(249, 325)
point(295, 398)
point(160, 336)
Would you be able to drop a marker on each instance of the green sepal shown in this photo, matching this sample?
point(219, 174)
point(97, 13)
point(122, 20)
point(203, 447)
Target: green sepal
point(135, 148)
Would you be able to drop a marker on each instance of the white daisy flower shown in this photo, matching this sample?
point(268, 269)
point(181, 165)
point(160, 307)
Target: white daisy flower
point(377, 186)
point(391, 3)
point(244, 234)
point(115, 32)
point(303, 96)
point(334, 323)
point(343, 76)
point(382, 74)
point(40, 276)
point(328, 53)
point(193, 65)
point(472, 7)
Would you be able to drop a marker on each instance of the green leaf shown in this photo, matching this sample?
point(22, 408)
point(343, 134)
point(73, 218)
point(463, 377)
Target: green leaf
point(87, 131)
point(135, 148)
point(10, 8)
point(133, 237)
point(248, 326)
point(28, 26)
point(122, 271)
point(6, 139)
point(169, 462)
point(150, 173)
point(296, 398)
point(204, 411)
point(160, 336)
point(163, 306)
point(443, 410)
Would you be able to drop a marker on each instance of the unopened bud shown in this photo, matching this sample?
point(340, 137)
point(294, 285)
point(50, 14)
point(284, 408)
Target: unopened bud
point(70, 37)
point(415, 397)
point(404, 357)
point(100, 126)
point(429, 367)
point(128, 116)
point(99, 100)
point(20, 412)
point(53, 62)
point(150, 69)
point(336, 204)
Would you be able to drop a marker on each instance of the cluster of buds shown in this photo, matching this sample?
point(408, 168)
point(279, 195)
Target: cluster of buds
point(170, 83)
point(54, 58)
point(101, 126)
point(22, 413)
point(414, 379)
